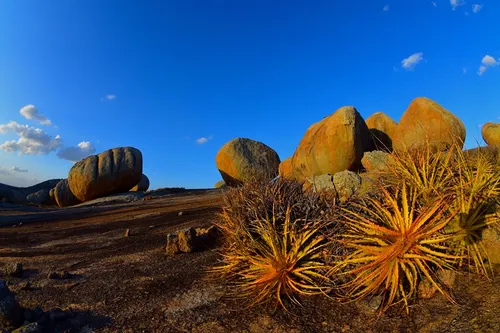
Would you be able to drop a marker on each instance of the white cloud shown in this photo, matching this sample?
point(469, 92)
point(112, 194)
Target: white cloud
point(110, 97)
point(476, 8)
point(77, 153)
point(410, 62)
point(486, 62)
point(464, 70)
point(32, 141)
point(456, 3)
point(386, 8)
point(31, 112)
point(9, 177)
point(434, 3)
point(203, 139)
point(18, 169)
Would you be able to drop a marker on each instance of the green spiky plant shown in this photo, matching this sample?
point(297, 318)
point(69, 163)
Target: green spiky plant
point(274, 242)
point(394, 243)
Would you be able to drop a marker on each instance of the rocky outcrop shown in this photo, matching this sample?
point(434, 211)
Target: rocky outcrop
point(285, 169)
point(63, 195)
point(241, 160)
point(39, 198)
point(382, 129)
point(113, 171)
point(345, 184)
point(491, 134)
point(18, 195)
point(334, 144)
point(427, 122)
point(142, 186)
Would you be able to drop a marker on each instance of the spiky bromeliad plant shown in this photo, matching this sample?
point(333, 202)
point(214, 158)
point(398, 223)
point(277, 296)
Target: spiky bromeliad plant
point(475, 206)
point(394, 242)
point(274, 242)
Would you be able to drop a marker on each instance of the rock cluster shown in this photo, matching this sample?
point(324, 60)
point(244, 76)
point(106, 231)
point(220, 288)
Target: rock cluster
point(191, 240)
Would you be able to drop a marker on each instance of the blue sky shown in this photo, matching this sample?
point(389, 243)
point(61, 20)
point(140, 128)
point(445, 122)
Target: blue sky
point(178, 79)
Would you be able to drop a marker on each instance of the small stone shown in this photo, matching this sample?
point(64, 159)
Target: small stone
point(127, 232)
point(29, 328)
point(14, 270)
point(60, 275)
point(179, 214)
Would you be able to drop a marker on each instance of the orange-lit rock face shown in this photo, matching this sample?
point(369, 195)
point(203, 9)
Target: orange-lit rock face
point(491, 134)
point(334, 144)
point(113, 171)
point(242, 159)
point(425, 121)
point(382, 128)
point(285, 169)
point(63, 195)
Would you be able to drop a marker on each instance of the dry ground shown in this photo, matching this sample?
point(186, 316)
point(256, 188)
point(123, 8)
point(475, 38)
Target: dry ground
point(128, 284)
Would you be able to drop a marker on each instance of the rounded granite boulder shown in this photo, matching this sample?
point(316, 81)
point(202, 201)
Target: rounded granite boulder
point(241, 160)
point(427, 122)
point(112, 171)
point(142, 186)
point(491, 134)
point(334, 144)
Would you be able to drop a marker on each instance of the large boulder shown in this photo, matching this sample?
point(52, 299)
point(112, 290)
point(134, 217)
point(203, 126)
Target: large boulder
point(220, 184)
point(382, 129)
point(285, 169)
point(63, 195)
point(491, 134)
point(345, 184)
point(113, 171)
point(142, 186)
point(241, 160)
point(39, 198)
point(427, 122)
point(334, 144)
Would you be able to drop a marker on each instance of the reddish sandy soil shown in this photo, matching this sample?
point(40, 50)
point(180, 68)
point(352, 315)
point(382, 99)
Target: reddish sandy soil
point(128, 284)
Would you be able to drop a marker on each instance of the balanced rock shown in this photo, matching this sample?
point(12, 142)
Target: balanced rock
point(491, 134)
point(113, 171)
point(142, 186)
point(382, 129)
point(241, 160)
point(334, 144)
point(63, 195)
point(285, 169)
point(427, 122)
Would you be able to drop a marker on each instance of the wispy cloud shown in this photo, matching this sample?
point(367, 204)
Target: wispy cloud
point(456, 3)
point(31, 112)
point(18, 169)
point(32, 141)
point(476, 8)
point(464, 70)
point(108, 97)
point(410, 62)
point(487, 62)
point(434, 3)
point(203, 139)
point(75, 154)
point(386, 8)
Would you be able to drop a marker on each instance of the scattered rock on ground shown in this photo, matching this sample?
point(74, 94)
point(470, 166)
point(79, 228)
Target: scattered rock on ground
point(382, 129)
point(427, 122)
point(142, 186)
point(191, 240)
point(64, 275)
point(241, 160)
point(10, 312)
point(113, 171)
point(14, 270)
point(491, 134)
point(63, 195)
point(334, 144)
